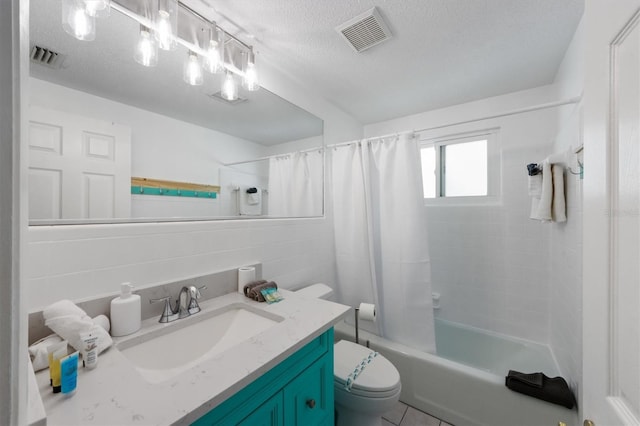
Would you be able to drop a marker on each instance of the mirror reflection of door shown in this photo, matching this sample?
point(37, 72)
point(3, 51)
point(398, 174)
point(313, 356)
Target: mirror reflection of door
point(79, 168)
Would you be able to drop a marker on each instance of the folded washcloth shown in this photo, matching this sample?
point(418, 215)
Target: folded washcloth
point(251, 285)
point(68, 321)
point(256, 294)
point(537, 385)
point(38, 351)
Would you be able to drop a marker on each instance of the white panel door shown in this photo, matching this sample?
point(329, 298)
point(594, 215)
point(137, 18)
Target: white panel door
point(79, 167)
point(611, 302)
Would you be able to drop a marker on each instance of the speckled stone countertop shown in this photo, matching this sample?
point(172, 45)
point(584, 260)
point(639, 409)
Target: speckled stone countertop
point(115, 393)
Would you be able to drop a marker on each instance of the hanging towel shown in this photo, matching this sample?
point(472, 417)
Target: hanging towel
point(535, 186)
point(250, 202)
point(558, 203)
point(541, 206)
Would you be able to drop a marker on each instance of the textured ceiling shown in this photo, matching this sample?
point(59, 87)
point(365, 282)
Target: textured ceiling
point(443, 52)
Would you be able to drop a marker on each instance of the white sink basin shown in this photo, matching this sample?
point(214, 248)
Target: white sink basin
point(170, 349)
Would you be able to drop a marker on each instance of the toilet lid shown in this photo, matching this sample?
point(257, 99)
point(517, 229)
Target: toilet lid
point(378, 375)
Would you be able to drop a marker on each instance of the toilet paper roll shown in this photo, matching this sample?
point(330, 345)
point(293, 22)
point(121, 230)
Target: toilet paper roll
point(367, 311)
point(245, 275)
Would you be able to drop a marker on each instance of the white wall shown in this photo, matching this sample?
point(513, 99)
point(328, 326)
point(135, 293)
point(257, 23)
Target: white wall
point(490, 262)
point(565, 250)
point(79, 262)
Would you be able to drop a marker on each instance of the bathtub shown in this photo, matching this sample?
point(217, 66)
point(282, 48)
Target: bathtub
point(464, 383)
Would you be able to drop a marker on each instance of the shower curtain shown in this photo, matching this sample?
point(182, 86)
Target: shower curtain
point(381, 237)
point(295, 184)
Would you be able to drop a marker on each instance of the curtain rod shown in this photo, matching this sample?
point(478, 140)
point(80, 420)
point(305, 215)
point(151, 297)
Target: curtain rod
point(235, 163)
point(569, 101)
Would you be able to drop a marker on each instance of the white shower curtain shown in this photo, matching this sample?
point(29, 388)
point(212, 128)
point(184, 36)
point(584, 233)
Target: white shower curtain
point(381, 237)
point(295, 184)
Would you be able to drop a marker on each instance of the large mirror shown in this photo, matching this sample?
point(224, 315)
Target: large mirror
point(111, 140)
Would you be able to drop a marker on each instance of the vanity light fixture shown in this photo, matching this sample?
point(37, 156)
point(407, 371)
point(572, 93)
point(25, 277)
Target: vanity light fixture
point(98, 8)
point(229, 87)
point(76, 21)
point(250, 78)
point(146, 52)
point(192, 71)
point(166, 19)
point(160, 28)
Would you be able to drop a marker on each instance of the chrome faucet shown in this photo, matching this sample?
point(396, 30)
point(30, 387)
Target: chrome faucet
point(186, 304)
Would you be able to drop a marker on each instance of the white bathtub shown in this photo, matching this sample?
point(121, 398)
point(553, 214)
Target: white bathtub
point(468, 388)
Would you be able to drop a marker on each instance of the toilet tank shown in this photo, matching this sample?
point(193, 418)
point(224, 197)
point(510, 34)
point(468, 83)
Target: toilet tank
point(318, 291)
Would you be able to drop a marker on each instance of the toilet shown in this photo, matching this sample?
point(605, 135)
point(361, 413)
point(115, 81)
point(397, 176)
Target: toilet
point(376, 388)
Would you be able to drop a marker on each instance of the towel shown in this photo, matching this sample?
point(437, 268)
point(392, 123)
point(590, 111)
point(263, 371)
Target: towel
point(559, 205)
point(549, 204)
point(248, 286)
point(535, 186)
point(541, 206)
point(68, 321)
point(253, 199)
point(38, 351)
point(256, 294)
point(250, 204)
point(554, 390)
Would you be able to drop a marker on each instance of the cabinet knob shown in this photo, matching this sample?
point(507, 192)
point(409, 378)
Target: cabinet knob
point(311, 403)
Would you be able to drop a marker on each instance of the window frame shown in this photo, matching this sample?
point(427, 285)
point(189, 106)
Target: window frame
point(493, 166)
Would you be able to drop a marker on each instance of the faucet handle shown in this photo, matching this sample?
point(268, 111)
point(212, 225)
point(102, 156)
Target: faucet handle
point(195, 295)
point(167, 312)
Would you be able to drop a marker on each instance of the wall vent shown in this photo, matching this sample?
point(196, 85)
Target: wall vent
point(47, 57)
point(365, 31)
point(218, 97)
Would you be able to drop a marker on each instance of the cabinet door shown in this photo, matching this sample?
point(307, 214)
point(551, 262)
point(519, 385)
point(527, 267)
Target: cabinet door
point(268, 414)
point(308, 399)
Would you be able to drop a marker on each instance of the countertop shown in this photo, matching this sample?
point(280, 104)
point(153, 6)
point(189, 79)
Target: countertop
point(115, 393)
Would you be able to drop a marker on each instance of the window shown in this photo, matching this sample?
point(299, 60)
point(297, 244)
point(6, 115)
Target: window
point(459, 166)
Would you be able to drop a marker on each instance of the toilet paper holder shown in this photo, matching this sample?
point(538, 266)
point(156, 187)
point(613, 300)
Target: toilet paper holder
point(357, 316)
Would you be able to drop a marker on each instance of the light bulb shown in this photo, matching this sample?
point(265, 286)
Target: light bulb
point(98, 8)
point(76, 21)
point(146, 52)
point(250, 79)
point(213, 60)
point(229, 87)
point(192, 72)
point(166, 27)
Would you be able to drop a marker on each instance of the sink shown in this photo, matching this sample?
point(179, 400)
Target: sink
point(170, 349)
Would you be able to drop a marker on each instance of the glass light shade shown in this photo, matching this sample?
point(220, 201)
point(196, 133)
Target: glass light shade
point(76, 21)
point(98, 8)
point(229, 87)
point(192, 71)
point(146, 52)
point(214, 59)
point(166, 24)
point(250, 79)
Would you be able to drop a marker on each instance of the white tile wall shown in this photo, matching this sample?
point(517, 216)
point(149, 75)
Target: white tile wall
point(79, 262)
point(490, 262)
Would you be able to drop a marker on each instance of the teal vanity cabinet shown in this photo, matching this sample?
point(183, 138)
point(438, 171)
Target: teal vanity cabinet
point(298, 391)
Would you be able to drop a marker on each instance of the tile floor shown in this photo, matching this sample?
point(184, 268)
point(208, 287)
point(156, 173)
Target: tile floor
point(404, 415)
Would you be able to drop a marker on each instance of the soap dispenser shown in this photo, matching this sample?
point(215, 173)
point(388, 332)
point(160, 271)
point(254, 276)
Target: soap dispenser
point(125, 312)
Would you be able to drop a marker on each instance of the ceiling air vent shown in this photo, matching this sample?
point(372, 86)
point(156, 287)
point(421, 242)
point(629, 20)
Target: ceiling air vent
point(365, 31)
point(47, 57)
point(218, 97)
